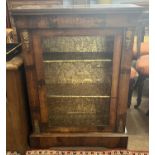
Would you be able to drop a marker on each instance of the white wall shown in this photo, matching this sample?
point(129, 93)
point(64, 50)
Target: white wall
point(126, 1)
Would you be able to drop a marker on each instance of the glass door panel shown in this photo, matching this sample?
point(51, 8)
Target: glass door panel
point(78, 77)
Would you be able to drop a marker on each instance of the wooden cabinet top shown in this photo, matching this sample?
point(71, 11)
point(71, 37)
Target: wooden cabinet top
point(43, 15)
point(45, 7)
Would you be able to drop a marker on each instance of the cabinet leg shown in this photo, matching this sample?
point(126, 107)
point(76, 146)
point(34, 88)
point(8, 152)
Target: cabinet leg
point(140, 84)
point(131, 88)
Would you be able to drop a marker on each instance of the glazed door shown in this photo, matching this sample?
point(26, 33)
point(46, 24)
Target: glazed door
point(77, 73)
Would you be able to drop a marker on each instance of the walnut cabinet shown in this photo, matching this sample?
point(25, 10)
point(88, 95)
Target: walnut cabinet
point(77, 62)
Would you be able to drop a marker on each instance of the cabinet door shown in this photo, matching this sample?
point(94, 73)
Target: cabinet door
point(77, 76)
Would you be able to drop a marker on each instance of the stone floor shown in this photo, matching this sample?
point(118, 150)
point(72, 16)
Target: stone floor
point(138, 126)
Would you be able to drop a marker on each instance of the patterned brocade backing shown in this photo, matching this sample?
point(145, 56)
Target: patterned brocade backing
point(78, 72)
point(78, 112)
point(79, 79)
point(78, 44)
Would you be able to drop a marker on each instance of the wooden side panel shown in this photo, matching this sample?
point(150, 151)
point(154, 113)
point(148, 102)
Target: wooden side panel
point(115, 78)
point(124, 79)
point(40, 76)
point(31, 79)
point(16, 114)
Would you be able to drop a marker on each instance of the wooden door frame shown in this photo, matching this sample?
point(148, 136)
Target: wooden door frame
point(38, 60)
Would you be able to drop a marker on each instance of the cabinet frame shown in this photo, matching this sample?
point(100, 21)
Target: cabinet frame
point(32, 23)
point(38, 59)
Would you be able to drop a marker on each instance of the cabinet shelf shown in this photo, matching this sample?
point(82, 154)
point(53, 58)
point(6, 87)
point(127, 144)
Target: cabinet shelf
point(77, 55)
point(69, 96)
point(72, 61)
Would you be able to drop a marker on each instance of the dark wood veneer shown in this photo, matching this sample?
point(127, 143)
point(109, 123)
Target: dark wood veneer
point(46, 21)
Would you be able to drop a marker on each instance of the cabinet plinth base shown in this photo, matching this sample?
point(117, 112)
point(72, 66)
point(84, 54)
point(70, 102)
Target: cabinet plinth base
point(107, 140)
